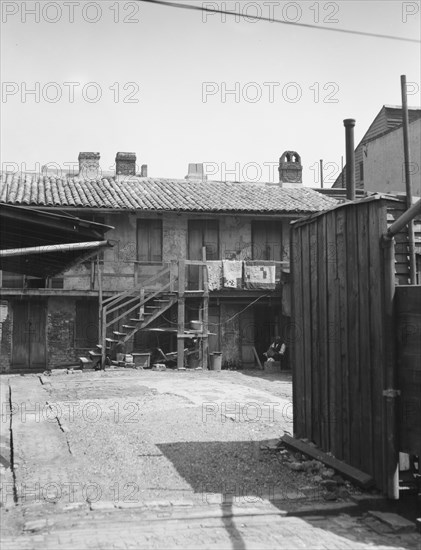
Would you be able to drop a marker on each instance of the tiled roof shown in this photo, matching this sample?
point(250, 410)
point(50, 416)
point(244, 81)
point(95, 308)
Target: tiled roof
point(150, 194)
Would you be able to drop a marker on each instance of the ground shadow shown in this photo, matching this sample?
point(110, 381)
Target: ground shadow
point(220, 473)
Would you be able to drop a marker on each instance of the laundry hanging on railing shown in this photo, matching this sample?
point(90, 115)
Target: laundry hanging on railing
point(214, 275)
point(259, 277)
point(232, 273)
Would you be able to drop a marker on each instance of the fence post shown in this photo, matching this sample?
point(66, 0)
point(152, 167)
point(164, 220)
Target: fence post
point(390, 393)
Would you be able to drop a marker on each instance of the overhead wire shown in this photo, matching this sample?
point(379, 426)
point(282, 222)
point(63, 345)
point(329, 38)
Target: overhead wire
point(179, 5)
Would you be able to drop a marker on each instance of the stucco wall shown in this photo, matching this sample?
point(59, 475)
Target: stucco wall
point(119, 271)
point(384, 162)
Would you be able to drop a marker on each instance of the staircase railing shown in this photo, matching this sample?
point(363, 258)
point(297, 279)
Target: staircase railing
point(134, 299)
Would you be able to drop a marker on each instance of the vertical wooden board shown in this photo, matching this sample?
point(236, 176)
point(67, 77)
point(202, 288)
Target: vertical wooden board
point(323, 334)
point(353, 275)
point(314, 334)
point(298, 388)
point(333, 372)
point(366, 431)
point(306, 328)
point(343, 429)
point(376, 287)
point(408, 316)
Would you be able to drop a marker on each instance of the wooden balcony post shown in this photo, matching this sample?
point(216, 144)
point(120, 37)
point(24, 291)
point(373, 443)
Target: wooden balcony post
point(181, 314)
point(205, 325)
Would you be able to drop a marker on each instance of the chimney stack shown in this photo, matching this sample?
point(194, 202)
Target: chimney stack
point(196, 172)
point(89, 165)
point(125, 164)
point(290, 170)
point(349, 124)
point(144, 171)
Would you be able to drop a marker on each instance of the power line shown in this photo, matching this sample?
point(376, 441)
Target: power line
point(272, 20)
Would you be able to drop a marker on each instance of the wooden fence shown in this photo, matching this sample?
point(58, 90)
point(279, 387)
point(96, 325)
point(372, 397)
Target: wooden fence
point(408, 327)
point(342, 335)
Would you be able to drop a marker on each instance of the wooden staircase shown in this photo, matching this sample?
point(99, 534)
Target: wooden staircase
point(136, 308)
point(126, 313)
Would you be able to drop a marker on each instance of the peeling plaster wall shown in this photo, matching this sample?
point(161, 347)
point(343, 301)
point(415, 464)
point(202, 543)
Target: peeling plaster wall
point(6, 324)
point(61, 317)
point(119, 268)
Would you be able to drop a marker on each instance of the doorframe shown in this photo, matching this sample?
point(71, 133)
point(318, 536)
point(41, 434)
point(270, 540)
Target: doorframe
point(30, 301)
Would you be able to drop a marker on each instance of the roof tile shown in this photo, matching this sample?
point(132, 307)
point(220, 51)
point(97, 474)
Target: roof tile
point(160, 194)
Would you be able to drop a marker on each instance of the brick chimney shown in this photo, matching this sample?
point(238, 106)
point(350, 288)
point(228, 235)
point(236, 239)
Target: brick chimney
point(125, 164)
point(144, 171)
point(89, 166)
point(196, 172)
point(290, 170)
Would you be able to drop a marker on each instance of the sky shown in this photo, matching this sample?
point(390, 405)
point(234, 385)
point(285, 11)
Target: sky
point(155, 80)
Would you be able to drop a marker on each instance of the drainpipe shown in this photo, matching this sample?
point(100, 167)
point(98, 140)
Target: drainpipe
point(390, 393)
point(349, 124)
point(411, 236)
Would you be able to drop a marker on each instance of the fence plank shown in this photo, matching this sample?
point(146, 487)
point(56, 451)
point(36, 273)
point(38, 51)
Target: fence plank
point(334, 395)
point(305, 252)
point(353, 273)
point(366, 432)
point(297, 345)
point(322, 320)
point(315, 338)
point(341, 228)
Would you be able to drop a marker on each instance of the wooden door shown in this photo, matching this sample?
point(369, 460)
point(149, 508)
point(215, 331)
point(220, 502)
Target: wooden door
point(201, 233)
point(29, 335)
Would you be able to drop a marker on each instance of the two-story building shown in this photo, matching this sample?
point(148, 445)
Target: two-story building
point(241, 231)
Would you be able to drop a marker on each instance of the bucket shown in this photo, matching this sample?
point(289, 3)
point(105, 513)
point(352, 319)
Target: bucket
point(196, 325)
point(216, 360)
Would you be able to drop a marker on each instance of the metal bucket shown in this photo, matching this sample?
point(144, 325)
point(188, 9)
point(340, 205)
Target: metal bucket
point(216, 360)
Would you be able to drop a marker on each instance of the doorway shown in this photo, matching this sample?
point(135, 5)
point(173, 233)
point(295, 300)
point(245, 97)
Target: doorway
point(29, 344)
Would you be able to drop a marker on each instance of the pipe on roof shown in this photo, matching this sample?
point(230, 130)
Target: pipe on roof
point(51, 248)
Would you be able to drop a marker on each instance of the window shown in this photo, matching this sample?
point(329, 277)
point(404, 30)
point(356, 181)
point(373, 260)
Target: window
point(361, 171)
point(17, 280)
point(203, 233)
point(149, 241)
point(266, 240)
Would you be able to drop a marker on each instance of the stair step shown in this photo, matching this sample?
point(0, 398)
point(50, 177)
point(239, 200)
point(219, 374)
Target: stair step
point(163, 301)
point(99, 346)
point(110, 340)
point(136, 320)
point(154, 307)
point(128, 327)
point(116, 333)
point(95, 354)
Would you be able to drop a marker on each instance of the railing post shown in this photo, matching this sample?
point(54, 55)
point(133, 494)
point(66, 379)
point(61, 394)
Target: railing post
point(181, 314)
point(142, 299)
point(103, 336)
point(205, 326)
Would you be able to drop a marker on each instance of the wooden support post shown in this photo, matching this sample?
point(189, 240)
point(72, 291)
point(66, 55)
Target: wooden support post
point(181, 313)
point(172, 277)
point(205, 322)
point(142, 297)
point(103, 336)
point(102, 327)
point(135, 274)
point(390, 393)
